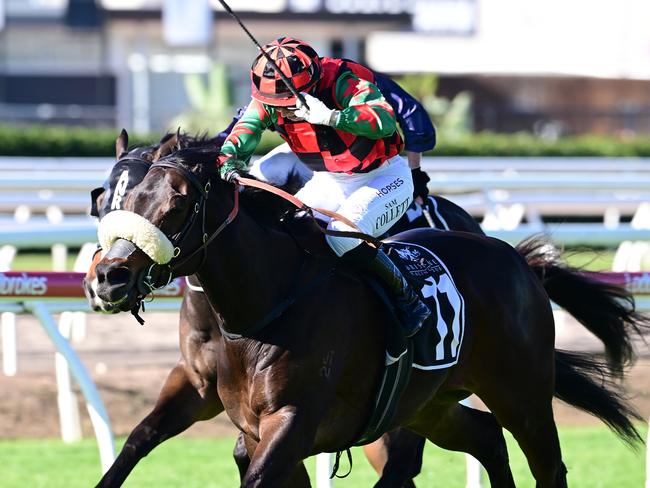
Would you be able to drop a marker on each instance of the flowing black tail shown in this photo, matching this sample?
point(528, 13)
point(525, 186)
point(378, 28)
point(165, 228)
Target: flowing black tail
point(586, 383)
point(606, 310)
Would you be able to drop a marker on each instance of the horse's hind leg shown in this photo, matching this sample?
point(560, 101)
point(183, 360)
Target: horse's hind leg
point(397, 458)
point(530, 420)
point(459, 428)
point(240, 454)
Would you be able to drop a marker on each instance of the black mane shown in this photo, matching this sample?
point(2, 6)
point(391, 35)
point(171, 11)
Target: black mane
point(187, 140)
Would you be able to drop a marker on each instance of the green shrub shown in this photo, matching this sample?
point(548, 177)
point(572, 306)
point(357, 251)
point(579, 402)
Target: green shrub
point(66, 141)
point(489, 144)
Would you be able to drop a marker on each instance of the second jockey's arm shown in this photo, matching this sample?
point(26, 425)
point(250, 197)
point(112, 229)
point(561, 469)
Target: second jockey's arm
point(365, 111)
point(414, 159)
point(239, 146)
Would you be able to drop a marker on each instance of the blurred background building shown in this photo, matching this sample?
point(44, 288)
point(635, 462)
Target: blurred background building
point(550, 67)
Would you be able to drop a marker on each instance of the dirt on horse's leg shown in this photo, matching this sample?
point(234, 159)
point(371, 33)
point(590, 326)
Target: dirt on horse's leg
point(460, 428)
point(397, 458)
point(179, 406)
point(286, 438)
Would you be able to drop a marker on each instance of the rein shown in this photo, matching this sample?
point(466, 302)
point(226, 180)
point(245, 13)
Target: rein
point(359, 234)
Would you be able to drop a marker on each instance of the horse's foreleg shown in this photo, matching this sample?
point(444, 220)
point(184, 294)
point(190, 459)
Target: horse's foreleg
point(397, 458)
point(286, 438)
point(179, 405)
point(459, 428)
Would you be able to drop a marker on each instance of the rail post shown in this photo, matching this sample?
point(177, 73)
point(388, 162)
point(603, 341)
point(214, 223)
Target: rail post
point(98, 415)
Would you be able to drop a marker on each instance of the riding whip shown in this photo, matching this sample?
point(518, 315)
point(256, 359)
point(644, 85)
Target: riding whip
point(275, 67)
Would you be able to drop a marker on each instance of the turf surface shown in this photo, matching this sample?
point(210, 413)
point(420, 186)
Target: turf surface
point(594, 458)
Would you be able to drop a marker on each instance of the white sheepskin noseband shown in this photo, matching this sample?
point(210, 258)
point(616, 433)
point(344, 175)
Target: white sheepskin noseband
point(121, 224)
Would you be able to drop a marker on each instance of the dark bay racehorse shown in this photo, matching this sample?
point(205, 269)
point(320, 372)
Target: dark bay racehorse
point(305, 384)
point(189, 393)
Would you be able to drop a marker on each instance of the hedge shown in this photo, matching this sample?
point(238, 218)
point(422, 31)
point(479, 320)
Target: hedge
point(65, 141)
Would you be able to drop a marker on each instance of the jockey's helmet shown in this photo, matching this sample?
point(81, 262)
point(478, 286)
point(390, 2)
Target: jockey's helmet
point(298, 61)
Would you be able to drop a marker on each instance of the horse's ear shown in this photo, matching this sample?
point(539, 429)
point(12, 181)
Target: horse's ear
point(169, 146)
point(178, 139)
point(96, 200)
point(121, 144)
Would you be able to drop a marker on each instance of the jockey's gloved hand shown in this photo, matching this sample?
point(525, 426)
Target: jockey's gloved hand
point(230, 168)
point(316, 112)
point(234, 174)
point(420, 180)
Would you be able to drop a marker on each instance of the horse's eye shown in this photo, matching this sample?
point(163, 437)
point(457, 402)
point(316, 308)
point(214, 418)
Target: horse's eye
point(178, 203)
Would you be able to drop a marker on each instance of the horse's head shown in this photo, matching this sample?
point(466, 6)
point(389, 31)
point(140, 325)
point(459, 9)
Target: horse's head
point(163, 229)
point(129, 170)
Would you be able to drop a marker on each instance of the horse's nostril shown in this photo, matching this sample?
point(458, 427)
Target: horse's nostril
point(118, 276)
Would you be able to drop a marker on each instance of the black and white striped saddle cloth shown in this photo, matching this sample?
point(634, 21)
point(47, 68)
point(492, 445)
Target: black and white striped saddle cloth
point(438, 344)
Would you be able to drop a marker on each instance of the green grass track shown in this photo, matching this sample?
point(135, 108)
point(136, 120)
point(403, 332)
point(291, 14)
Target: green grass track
point(594, 458)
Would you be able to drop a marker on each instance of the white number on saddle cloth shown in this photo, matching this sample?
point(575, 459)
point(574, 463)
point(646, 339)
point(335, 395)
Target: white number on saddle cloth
point(439, 343)
point(445, 286)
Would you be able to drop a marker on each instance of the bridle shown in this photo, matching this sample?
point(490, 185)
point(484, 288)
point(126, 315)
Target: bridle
point(200, 208)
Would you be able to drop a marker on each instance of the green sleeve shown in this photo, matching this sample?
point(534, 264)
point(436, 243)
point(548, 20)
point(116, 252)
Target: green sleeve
point(244, 137)
point(365, 110)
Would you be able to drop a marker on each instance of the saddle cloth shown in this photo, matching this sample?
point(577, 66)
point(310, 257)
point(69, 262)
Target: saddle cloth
point(438, 344)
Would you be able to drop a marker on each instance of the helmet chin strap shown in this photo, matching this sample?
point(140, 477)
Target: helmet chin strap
point(276, 68)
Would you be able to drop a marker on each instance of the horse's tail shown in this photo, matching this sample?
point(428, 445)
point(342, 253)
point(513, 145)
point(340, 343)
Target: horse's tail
point(586, 383)
point(606, 310)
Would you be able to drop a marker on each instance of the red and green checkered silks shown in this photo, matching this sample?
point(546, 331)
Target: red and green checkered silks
point(363, 139)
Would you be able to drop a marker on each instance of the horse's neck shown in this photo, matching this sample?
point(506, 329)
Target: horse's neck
point(248, 272)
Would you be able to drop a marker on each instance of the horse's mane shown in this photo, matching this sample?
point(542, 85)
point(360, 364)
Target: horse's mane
point(266, 207)
point(190, 140)
point(185, 141)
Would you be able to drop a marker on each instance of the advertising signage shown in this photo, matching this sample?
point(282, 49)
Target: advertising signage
point(368, 7)
point(355, 7)
point(432, 16)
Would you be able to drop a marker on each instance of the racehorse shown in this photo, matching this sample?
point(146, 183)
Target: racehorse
point(305, 384)
point(189, 392)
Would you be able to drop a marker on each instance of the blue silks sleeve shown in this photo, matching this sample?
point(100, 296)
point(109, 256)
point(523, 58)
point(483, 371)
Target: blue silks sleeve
point(419, 133)
point(221, 136)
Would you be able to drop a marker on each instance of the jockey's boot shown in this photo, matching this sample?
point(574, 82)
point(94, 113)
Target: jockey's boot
point(411, 311)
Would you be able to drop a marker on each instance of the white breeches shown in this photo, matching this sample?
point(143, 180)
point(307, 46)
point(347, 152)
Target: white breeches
point(281, 166)
point(373, 201)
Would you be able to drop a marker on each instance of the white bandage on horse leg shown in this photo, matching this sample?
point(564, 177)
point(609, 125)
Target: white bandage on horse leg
point(121, 224)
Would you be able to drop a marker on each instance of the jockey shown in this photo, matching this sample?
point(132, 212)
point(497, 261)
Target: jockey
point(348, 132)
point(283, 168)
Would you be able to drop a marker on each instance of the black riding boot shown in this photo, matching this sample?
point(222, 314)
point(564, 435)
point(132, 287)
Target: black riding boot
point(411, 311)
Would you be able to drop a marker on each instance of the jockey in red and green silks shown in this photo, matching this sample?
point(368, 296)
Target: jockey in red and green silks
point(362, 112)
point(348, 135)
